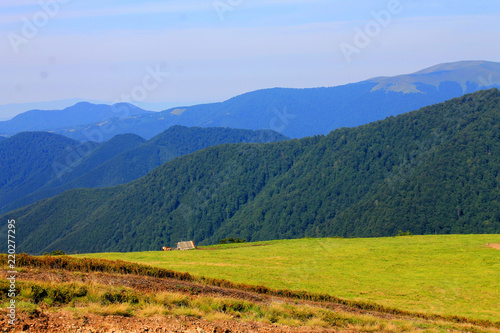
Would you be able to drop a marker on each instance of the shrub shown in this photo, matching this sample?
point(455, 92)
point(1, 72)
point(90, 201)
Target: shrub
point(56, 253)
point(121, 296)
point(231, 240)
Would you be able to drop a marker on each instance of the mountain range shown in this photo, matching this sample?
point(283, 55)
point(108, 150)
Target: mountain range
point(38, 165)
point(431, 171)
point(295, 113)
point(82, 113)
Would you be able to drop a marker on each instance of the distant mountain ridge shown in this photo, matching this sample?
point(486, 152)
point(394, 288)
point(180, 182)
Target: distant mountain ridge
point(9, 111)
point(469, 75)
point(298, 113)
point(82, 113)
point(432, 171)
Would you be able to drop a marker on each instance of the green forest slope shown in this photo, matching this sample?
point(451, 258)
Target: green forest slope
point(27, 162)
point(123, 158)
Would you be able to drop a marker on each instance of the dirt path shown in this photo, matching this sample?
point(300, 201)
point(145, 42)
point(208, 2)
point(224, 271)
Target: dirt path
point(65, 322)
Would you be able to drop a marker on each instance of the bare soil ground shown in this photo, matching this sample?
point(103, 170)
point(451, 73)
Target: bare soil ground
point(65, 322)
point(495, 246)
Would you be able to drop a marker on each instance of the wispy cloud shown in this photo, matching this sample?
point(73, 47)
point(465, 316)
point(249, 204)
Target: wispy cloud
point(108, 10)
point(18, 3)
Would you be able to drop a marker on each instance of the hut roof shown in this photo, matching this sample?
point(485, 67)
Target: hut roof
point(185, 245)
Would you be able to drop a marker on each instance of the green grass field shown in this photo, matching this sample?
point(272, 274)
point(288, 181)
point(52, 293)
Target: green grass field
point(447, 275)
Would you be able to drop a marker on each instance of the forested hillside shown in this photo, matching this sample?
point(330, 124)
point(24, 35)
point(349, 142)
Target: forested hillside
point(435, 170)
point(124, 158)
point(27, 162)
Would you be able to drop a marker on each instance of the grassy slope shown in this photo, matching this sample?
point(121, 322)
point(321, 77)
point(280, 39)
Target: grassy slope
point(448, 275)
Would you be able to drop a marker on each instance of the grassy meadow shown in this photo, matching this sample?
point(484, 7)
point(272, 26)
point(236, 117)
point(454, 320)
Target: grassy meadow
point(446, 275)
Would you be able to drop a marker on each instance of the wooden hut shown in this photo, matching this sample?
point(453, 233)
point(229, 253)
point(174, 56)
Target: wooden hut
point(183, 246)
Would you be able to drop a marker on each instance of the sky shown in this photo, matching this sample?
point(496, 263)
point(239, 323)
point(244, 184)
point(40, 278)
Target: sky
point(172, 53)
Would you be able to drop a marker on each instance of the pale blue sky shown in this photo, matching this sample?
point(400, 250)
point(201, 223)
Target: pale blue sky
point(103, 50)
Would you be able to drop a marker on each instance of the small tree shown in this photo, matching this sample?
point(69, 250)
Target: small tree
point(404, 233)
point(56, 253)
point(231, 240)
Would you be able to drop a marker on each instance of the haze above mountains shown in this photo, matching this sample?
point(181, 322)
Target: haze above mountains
point(295, 113)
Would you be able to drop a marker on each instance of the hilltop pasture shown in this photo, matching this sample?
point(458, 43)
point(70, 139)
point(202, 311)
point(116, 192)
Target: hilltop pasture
point(453, 275)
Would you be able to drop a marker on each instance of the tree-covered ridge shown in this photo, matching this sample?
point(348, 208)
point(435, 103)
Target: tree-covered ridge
point(27, 162)
point(119, 160)
point(173, 142)
point(435, 170)
point(432, 171)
